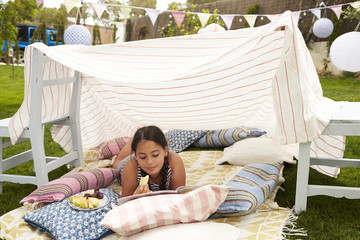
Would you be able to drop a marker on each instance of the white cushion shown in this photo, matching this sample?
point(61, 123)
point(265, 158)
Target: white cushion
point(255, 150)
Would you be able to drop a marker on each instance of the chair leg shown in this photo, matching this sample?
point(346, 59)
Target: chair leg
point(37, 145)
point(302, 179)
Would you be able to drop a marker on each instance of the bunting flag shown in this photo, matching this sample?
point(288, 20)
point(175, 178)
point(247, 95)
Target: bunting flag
point(204, 17)
point(153, 14)
point(228, 19)
point(296, 16)
point(99, 8)
point(273, 17)
point(125, 10)
point(251, 19)
point(178, 16)
point(337, 10)
point(70, 4)
point(316, 12)
point(355, 5)
point(39, 2)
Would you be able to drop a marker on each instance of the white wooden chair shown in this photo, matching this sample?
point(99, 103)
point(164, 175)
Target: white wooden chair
point(346, 122)
point(35, 132)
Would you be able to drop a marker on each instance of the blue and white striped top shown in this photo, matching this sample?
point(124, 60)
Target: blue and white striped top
point(152, 186)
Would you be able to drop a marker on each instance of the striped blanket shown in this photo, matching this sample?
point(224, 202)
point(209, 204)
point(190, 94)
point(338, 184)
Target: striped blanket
point(260, 77)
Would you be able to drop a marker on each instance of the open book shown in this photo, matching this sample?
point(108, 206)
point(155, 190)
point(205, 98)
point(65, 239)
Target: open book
point(179, 190)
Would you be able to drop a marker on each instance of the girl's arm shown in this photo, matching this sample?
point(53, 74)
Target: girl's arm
point(129, 179)
point(124, 152)
point(178, 177)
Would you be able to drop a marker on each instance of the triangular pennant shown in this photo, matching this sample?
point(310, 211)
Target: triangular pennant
point(125, 10)
point(99, 8)
point(316, 12)
point(355, 5)
point(178, 16)
point(204, 17)
point(69, 4)
point(228, 19)
point(273, 17)
point(153, 14)
point(251, 19)
point(296, 16)
point(337, 10)
point(39, 2)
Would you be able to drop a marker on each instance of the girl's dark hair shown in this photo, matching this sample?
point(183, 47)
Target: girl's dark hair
point(155, 134)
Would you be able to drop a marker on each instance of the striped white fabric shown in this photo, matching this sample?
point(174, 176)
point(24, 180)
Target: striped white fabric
point(260, 77)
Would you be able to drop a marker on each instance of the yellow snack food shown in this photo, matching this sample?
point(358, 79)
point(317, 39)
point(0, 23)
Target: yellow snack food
point(144, 180)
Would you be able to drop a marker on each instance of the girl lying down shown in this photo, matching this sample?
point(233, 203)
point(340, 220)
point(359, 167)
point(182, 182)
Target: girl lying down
point(147, 154)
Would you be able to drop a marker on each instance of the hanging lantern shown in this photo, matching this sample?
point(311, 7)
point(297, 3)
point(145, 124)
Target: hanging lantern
point(77, 35)
point(345, 52)
point(323, 27)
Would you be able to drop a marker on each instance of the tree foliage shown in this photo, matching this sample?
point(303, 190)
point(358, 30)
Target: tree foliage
point(143, 3)
point(176, 6)
point(11, 13)
point(190, 25)
point(198, 2)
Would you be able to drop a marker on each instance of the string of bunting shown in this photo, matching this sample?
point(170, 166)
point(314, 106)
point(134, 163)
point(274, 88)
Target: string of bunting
point(179, 16)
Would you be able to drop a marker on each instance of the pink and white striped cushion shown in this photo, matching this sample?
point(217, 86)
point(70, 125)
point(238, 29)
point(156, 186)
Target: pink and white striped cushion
point(160, 210)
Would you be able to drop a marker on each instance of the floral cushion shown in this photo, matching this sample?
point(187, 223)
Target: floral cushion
point(179, 140)
point(63, 222)
point(61, 188)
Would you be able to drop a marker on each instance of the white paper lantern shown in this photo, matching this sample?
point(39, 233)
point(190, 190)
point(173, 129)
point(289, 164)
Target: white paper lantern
point(345, 52)
point(323, 27)
point(77, 35)
point(213, 27)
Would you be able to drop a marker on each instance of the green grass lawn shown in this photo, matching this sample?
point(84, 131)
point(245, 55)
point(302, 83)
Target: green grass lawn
point(325, 217)
point(11, 97)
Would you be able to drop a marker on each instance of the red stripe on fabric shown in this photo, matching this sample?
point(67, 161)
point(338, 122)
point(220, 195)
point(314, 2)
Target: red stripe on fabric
point(42, 92)
point(148, 55)
point(66, 88)
point(186, 93)
point(51, 92)
point(14, 129)
point(281, 110)
point(329, 173)
point(298, 76)
point(314, 152)
point(326, 152)
point(62, 135)
point(330, 145)
point(188, 111)
point(187, 85)
point(291, 104)
point(29, 79)
point(337, 139)
point(318, 120)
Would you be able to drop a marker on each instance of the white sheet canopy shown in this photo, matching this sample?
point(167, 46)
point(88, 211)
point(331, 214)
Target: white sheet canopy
point(260, 77)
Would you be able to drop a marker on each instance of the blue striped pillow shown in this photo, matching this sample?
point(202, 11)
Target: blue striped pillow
point(249, 189)
point(226, 137)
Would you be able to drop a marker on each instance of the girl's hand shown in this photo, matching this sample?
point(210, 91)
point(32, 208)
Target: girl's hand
point(142, 189)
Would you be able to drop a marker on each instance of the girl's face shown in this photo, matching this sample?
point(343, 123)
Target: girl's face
point(150, 156)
